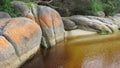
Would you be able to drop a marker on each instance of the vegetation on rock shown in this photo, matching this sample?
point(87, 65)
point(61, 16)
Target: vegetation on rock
point(6, 7)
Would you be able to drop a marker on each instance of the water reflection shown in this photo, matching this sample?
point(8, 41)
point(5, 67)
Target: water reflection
point(93, 51)
point(96, 62)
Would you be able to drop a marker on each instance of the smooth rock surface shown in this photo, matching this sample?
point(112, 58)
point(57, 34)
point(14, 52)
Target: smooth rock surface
point(8, 57)
point(52, 26)
point(24, 33)
point(68, 24)
point(116, 20)
point(91, 23)
point(107, 21)
point(24, 38)
point(49, 20)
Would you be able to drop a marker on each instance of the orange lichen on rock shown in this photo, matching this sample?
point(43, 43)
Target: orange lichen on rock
point(20, 38)
point(17, 29)
point(49, 17)
point(24, 33)
point(3, 21)
point(46, 21)
point(3, 43)
point(56, 18)
point(51, 24)
point(8, 57)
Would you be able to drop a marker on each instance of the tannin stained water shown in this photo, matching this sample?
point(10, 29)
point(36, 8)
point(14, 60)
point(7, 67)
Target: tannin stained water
point(90, 51)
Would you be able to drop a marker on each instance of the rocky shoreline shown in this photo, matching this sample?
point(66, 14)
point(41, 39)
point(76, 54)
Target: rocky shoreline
point(43, 26)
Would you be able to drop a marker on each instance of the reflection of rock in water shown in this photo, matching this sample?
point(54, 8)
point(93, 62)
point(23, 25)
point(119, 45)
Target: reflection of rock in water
point(96, 62)
point(92, 51)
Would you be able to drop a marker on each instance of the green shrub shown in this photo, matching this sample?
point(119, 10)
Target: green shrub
point(108, 6)
point(96, 6)
point(5, 6)
point(111, 6)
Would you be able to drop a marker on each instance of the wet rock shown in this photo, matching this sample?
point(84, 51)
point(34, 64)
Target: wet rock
point(4, 15)
point(24, 36)
point(68, 24)
point(52, 25)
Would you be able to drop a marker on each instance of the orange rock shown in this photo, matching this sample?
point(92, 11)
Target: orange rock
point(49, 16)
point(3, 43)
point(49, 20)
point(25, 34)
point(23, 38)
point(8, 57)
point(51, 24)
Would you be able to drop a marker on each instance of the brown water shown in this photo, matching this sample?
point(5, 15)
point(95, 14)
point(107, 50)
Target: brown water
point(92, 51)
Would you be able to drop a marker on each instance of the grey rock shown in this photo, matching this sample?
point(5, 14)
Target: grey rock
point(34, 10)
point(52, 26)
point(24, 36)
point(45, 19)
point(102, 19)
point(116, 20)
point(108, 21)
point(91, 24)
point(68, 24)
point(20, 7)
point(8, 57)
point(4, 15)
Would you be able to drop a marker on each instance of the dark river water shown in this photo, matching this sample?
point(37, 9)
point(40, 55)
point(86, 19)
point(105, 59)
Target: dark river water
point(90, 51)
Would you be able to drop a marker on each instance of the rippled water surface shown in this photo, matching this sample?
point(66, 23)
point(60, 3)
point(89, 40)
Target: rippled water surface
point(90, 51)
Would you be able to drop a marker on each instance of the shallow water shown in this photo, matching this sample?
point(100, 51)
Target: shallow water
point(90, 51)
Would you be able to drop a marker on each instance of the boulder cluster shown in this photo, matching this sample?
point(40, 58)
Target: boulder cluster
point(21, 37)
point(101, 25)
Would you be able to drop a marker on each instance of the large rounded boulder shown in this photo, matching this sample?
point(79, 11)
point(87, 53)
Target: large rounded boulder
point(19, 39)
point(48, 19)
point(52, 26)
